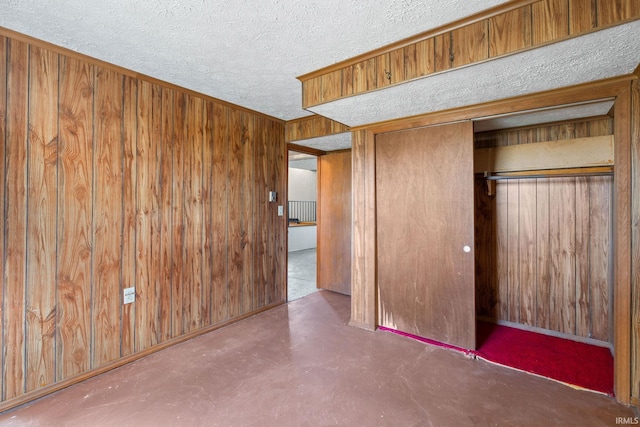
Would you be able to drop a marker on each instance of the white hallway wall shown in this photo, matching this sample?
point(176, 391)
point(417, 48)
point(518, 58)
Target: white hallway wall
point(302, 187)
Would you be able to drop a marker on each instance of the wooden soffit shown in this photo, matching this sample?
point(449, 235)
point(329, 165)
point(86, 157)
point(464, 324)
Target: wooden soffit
point(518, 48)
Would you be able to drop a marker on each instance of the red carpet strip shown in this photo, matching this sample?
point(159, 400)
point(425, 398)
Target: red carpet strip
point(575, 363)
point(579, 364)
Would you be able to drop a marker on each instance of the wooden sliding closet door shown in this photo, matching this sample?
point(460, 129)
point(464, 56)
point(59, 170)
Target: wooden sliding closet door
point(424, 187)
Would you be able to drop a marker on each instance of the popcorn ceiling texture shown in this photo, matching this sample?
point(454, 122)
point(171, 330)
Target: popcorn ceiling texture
point(247, 52)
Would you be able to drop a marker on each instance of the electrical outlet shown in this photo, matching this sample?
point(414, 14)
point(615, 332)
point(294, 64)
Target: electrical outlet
point(280, 210)
point(129, 295)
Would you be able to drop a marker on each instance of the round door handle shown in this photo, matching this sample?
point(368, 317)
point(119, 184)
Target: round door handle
point(467, 249)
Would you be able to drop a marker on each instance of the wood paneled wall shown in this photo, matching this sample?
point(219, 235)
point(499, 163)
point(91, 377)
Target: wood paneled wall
point(635, 242)
point(312, 127)
point(112, 181)
point(503, 30)
point(543, 246)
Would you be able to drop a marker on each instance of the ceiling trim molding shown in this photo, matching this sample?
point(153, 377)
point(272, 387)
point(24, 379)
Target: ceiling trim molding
point(485, 14)
point(14, 35)
point(305, 150)
point(602, 89)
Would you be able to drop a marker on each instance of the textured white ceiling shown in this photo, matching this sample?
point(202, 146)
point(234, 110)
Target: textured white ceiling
point(247, 52)
point(545, 115)
point(602, 54)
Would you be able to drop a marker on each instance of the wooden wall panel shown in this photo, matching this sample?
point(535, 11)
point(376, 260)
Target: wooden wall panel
point(208, 140)
point(334, 222)
point(42, 219)
point(635, 239)
point(75, 216)
point(107, 226)
point(280, 234)
point(550, 20)
point(129, 219)
point(261, 206)
point(470, 43)
point(220, 206)
point(312, 127)
point(246, 213)
point(177, 214)
point(612, 11)
point(15, 219)
point(111, 181)
point(166, 213)
point(551, 240)
point(510, 31)
point(3, 145)
point(442, 51)
point(236, 258)
point(582, 16)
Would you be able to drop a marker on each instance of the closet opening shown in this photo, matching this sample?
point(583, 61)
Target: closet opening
point(543, 208)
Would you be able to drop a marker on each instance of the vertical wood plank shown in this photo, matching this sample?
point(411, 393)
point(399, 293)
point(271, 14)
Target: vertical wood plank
point(208, 139)
point(75, 206)
point(247, 212)
point(600, 256)
point(562, 198)
point(510, 31)
point(156, 228)
point(219, 202)
point(364, 76)
point(129, 271)
point(383, 68)
point(235, 244)
point(612, 11)
point(410, 62)
point(193, 216)
point(470, 43)
point(635, 240)
point(513, 243)
point(272, 293)
point(280, 222)
point(166, 208)
point(177, 214)
point(501, 225)
point(397, 65)
point(442, 51)
point(312, 92)
point(543, 255)
point(144, 160)
point(622, 245)
point(16, 219)
point(42, 219)
point(331, 85)
point(550, 20)
point(3, 146)
point(108, 176)
point(347, 81)
point(582, 16)
point(486, 297)
point(582, 278)
point(425, 57)
point(527, 251)
point(261, 207)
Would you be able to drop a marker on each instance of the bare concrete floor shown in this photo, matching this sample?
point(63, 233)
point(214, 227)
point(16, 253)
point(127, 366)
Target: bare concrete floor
point(301, 365)
point(301, 274)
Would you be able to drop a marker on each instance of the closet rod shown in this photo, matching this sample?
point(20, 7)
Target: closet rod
point(551, 173)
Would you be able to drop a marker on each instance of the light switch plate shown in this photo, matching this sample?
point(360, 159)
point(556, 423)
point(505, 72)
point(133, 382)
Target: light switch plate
point(280, 210)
